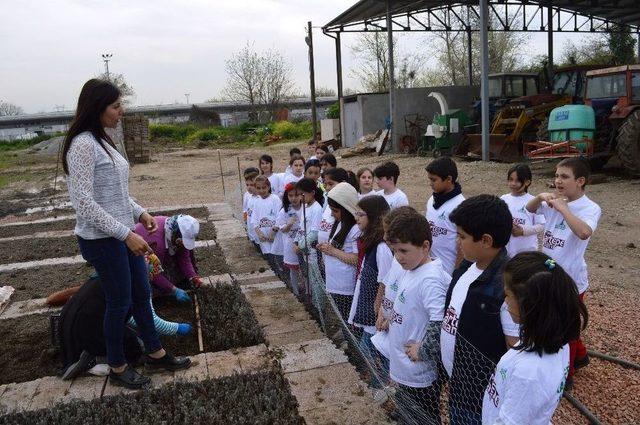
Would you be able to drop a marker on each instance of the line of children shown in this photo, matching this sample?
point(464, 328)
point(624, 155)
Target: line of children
point(418, 325)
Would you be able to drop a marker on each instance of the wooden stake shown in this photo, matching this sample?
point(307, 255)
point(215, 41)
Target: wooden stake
point(224, 192)
point(195, 300)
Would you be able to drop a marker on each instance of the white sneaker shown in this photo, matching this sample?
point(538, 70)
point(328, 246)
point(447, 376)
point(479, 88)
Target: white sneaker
point(380, 396)
point(100, 369)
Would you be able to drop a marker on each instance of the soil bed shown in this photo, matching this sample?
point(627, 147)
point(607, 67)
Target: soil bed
point(26, 352)
point(41, 282)
point(227, 319)
point(260, 398)
point(28, 229)
point(207, 232)
point(38, 249)
point(200, 212)
point(211, 261)
point(169, 309)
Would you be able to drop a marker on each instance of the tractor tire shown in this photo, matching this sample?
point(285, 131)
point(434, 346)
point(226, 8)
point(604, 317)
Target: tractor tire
point(628, 143)
point(543, 130)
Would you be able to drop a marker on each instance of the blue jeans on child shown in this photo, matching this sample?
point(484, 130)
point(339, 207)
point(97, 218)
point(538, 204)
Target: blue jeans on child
point(125, 281)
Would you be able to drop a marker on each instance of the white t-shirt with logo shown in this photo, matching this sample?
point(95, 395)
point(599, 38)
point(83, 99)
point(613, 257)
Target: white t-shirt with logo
point(250, 208)
point(444, 232)
point(449, 331)
point(525, 388)
point(325, 224)
point(518, 208)
point(289, 178)
point(384, 257)
point(313, 216)
point(265, 212)
point(395, 199)
point(364, 195)
point(392, 282)
point(289, 254)
point(278, 244)
point(560, 243)
point(420, 301)
point(274, 180)
point(341, 277)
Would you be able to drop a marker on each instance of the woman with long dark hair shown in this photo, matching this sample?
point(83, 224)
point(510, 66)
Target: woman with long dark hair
point(105, 219)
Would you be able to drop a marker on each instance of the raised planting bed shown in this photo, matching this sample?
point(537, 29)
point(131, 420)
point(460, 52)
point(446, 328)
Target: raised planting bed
point(207, 232)
point(26, 352)
point(38, 248)
point(259, 398)
point(227, 318)
point(199, 212)
point(40, 282)
point(169, 309)
point(211, 261)
point(28, 229)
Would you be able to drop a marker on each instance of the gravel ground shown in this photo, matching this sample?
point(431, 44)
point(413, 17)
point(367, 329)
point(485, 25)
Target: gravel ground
point(613, 257)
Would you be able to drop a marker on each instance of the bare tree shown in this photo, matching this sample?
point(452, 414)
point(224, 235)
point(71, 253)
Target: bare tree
point(325, 92)
point(261, 79)
point(9, 109)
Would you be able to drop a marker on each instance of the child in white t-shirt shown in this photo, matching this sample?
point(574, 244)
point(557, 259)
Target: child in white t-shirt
point(526, 225)
point(265, 164)
point(418, 310)
point(477, 328)
point(263, 217)
point(247, 201)
point(387, 178)
point(292, 152)
point(571, 218)
point(447, 195)
point(296, 165)
point(365, 182)
point(288, 226)
point(529, 380)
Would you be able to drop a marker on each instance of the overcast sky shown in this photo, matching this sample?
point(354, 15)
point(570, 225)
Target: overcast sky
point(165, 48)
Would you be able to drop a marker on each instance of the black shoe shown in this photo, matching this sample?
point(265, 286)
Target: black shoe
point(129, 378)
point(83, 364)
point(581, 362)
point(167, 362)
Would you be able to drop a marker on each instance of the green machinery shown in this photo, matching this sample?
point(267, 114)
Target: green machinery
point(571, 133)
point(446, 131)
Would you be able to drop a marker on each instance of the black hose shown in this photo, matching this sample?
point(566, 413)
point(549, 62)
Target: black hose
point(593, 420)
point(622, 362)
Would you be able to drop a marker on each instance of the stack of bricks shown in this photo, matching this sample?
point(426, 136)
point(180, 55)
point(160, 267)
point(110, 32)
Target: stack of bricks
point(136, 138)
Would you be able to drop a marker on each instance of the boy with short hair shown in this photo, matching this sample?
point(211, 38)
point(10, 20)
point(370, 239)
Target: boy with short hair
point(447, 195)
point(312, 146)
point(387, 178)
point(417, 315)
point(477, 328)
point(293, 152)
point(247, 200)
point(571, 218)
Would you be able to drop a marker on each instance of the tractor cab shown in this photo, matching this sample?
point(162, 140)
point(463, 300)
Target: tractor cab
point(571, 81)
point(613, 92)
point(510, 85)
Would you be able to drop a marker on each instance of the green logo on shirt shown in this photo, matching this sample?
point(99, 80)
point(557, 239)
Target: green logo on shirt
point(503, 373)
point(443, 216)
point(561, 225)
point(394, 286)
point(401, 297)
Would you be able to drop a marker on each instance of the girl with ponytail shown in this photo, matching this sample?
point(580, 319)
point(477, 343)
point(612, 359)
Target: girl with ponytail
point(530, 378)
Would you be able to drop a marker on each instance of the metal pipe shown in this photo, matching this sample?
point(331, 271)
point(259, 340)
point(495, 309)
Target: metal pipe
point(550, 39)
point(593, 420)
point(224, 192)
point(469, 57)
point(484, 79)
point(339, 64)
point(392, 81)
point(622, 362)
point(312, 81)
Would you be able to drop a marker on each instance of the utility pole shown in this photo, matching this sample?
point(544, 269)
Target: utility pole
point(312, 80)
point(106, 57)
point(187, 96)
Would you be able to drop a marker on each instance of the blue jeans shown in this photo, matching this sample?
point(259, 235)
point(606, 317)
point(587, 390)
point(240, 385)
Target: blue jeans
point(125, 282)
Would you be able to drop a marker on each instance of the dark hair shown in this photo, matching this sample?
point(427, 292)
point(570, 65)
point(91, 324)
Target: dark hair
point(388, 169)
point(347, 221)
point(551, 312)
point(523, 173)
point(339, 175)
point(250, 170)
point(294, 151)
point(376, 207)
point(312, 141)
point(285, 198)
point(96, 95)
point(263, 179)
point(443, 167)
point(295, 158)
point(409, 228)
point(579, 166)
point(397, 212)
point(265, 158)
point(359, 174)
point(309, 185)
point(323, 147)
point(353, 180)
point(330, 159)
point(311, 163)
point(484, 214)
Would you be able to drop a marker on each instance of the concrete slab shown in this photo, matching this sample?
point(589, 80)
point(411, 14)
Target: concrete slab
point(157, 210)
point(47, 262)
point(161, 378)
point(204, 244)
point(220, 212)
point(85, 388)
point(222, 363)
point(276, 284)
point(197, 372)
point(253, 278)
point(110, 389)
point(310, 355)
point(278, 296)
point(299, 332)
point(50, 391)
point(40, 235)
point(254, 359)
point(280, 314)
point(41, 220)
point(17, 397)
point(222, 278)
point(343, 414)
point(24, 308)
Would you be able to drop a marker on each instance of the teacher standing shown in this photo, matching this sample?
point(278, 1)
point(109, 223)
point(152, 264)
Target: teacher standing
point(98, 182)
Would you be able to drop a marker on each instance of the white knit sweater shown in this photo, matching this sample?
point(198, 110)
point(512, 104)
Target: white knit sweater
point(99, 190)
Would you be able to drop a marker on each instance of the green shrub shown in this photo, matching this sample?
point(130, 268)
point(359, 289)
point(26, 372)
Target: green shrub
point(175, 132)
point(13, 145)
point(333, 111)
point(289, 131)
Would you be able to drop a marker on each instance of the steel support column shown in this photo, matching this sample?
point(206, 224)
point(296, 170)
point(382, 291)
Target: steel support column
point(550, 42)
point(312, 81)
point(469, 57)
point(484, 77)
point(392, 83)
point(339, 64)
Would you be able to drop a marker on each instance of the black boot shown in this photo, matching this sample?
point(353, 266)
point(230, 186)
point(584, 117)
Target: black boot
point(167, 362)
point(129, 378)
